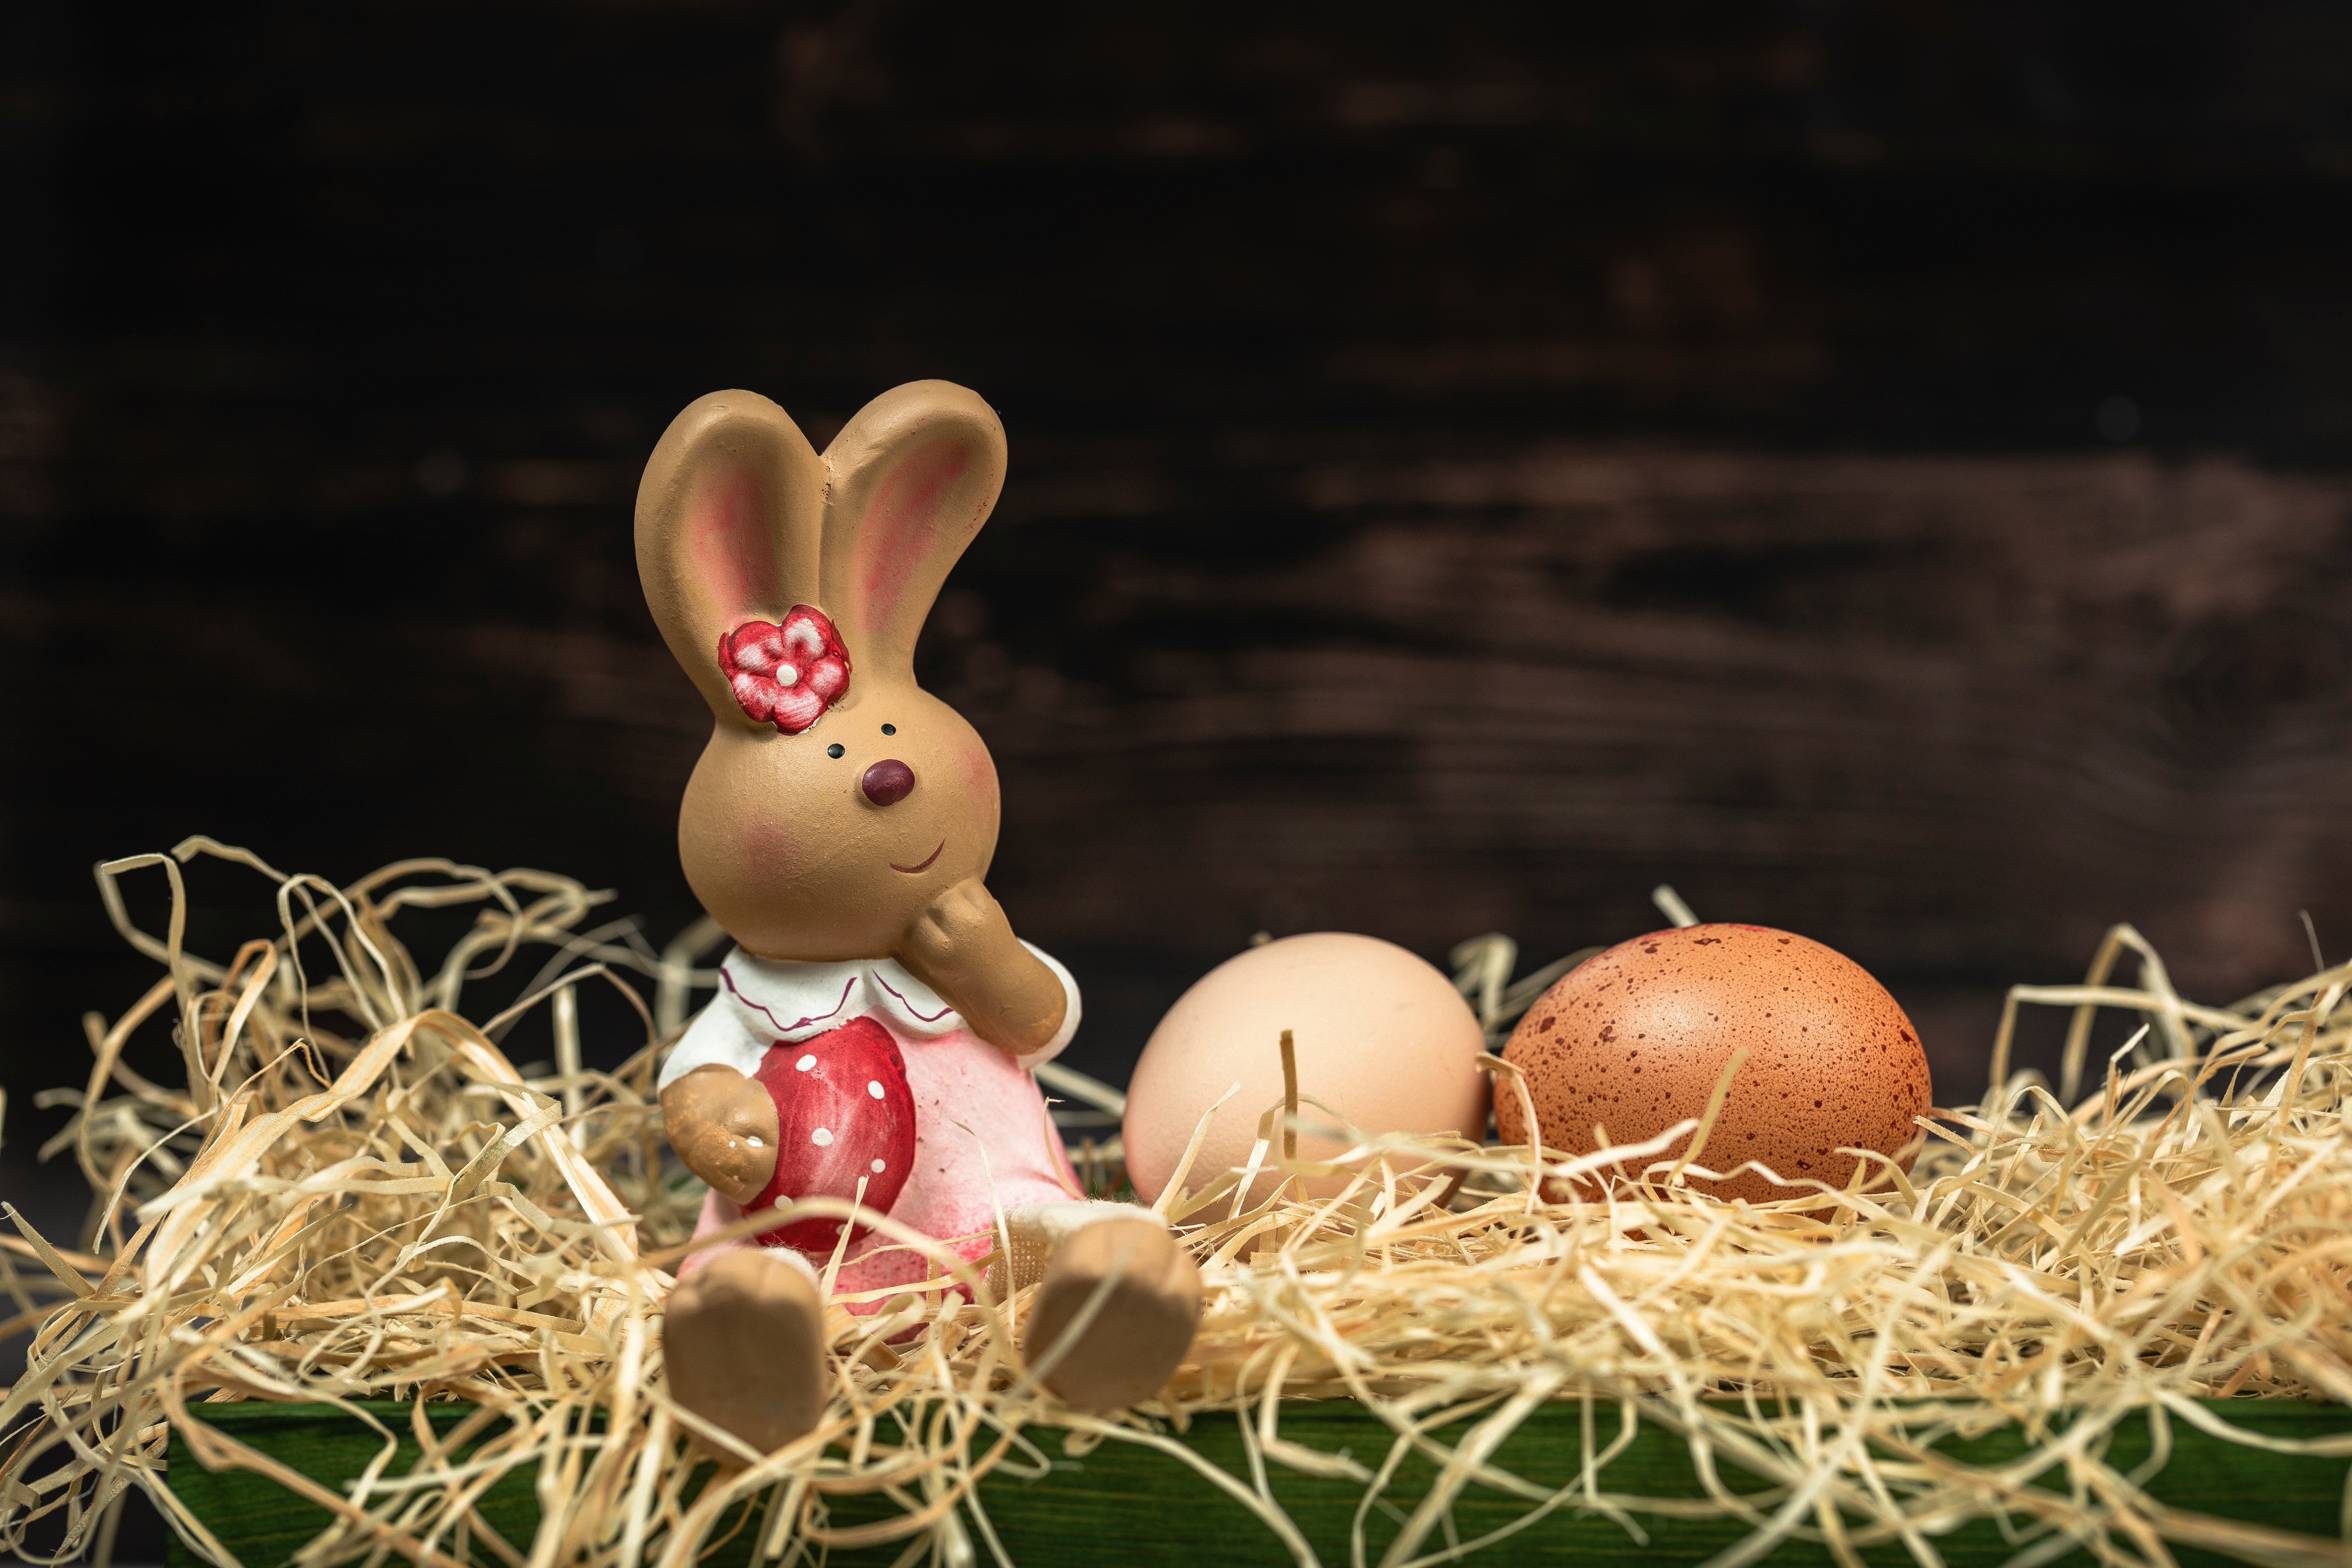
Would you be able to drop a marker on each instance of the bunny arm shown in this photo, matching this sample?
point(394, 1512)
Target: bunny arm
point(963, 947)
point(723, 1126)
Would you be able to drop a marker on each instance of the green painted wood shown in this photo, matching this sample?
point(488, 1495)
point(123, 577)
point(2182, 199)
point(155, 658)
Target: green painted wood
point(1155, 1510)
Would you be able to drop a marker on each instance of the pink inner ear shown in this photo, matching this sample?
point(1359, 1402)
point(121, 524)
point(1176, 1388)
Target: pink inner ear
point(900, 526)
point(728, 542)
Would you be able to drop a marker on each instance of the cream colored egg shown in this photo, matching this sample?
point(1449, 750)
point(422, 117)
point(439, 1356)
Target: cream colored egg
point(1382, 1038)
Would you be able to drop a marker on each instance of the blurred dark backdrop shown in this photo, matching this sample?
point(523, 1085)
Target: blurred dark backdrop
point(1883, 468)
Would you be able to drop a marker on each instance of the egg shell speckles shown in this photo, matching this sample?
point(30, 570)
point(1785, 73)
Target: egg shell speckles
point(1635, 1039)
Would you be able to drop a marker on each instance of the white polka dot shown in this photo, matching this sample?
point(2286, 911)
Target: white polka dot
point(822, 1138)
point(805, 1063)
point(880, 1167)
point(874, 1088)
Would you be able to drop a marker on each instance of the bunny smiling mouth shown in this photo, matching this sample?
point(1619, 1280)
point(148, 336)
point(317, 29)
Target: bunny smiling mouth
point(926, 864)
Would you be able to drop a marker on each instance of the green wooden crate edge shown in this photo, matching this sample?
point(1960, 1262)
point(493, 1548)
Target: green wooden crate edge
point(1156, 1510)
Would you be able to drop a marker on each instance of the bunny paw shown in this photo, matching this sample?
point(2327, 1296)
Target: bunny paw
point(744, 1339)
point(1138, 1336)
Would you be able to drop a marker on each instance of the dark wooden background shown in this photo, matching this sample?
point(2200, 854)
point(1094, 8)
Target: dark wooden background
point(1882, 469)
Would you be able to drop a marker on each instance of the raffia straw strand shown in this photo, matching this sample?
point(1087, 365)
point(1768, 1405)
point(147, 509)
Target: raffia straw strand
point(354, 1194)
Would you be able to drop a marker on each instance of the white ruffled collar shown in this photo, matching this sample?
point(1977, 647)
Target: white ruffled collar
point(789, 1000)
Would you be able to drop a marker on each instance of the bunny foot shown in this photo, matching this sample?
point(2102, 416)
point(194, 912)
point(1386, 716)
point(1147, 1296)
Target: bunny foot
point(1138, 1334)
point(744, 1338)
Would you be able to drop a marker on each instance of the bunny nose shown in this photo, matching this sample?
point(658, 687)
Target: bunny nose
point(887, 782)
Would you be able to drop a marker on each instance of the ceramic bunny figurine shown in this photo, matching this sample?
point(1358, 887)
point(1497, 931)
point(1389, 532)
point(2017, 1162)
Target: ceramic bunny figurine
point(839, 826)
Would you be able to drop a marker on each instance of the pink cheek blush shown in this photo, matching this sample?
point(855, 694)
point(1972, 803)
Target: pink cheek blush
point(767, 851)
point(980, 772)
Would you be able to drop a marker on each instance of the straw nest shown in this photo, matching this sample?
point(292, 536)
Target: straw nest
point(354, 1194)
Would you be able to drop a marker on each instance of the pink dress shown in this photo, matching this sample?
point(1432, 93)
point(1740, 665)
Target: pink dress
point(951, 1075)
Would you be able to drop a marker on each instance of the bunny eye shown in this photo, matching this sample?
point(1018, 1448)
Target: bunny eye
point(834, 749)
point(890, 728)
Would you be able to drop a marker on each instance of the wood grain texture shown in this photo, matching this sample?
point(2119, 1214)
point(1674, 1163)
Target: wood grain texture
point(1143, 1506)
point(1466, 466)
point(1462, 474)
point(1950, 717)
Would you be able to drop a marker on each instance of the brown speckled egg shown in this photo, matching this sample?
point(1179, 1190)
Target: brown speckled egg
point(1633, 1040)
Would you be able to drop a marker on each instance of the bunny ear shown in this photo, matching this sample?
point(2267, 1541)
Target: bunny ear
point(728, 517)
point(913, 477)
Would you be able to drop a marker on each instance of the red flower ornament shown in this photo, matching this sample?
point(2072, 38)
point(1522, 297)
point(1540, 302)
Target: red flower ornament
point(787, 675)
